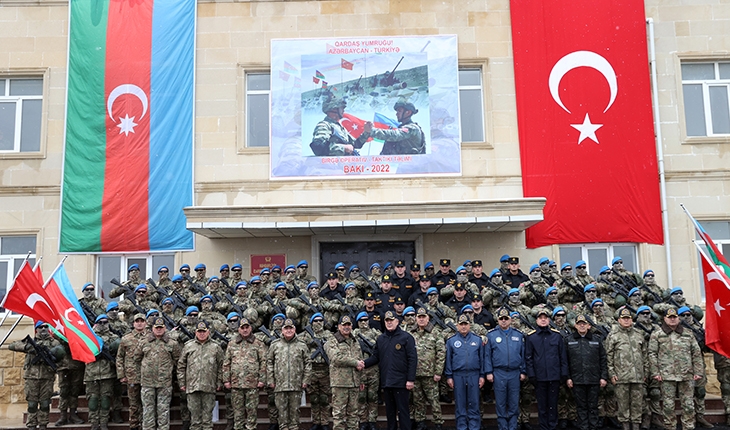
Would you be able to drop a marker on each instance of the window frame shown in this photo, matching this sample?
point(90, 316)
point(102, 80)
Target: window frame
point(151, 272)
point(610, 253)
point(486, 92)
point(244, 70)
point(11, 258)
point(31, 73)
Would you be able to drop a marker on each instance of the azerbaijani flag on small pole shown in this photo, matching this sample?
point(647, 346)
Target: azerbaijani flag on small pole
point(712, 252)
point(127, 171)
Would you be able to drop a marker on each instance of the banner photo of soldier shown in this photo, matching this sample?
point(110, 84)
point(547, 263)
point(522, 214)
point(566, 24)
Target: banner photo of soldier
point(351, 126)
point(585, 121)
point(129, 103)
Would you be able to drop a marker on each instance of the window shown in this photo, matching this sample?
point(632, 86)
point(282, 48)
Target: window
point(705, 87)
point(471, 106)
point(719, 231)
point(110, 267)
point(257, 109)
point(598, 255)
point(13, 250)
point(21, 100)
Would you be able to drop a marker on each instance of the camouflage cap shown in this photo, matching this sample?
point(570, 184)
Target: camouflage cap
point(243, 322)
point(159, 322)
point(624, 313)
point(345, 320)
point(201, 326)
point(138, 316)
point(581, 319)
point(671, 312)
point(421, 311)
point(463, 319)
point(543, 311)
point(288, 323)
point(390, 315)
point(502, 312)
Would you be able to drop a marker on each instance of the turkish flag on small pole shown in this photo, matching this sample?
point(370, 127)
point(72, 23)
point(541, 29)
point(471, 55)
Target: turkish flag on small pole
point(346, 64)
point(717, 299)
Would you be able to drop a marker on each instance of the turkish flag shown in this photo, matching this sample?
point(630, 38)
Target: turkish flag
point(717, 297)
point(585, 120)
point(352, 124)
point(346, 64)
point(26, 296)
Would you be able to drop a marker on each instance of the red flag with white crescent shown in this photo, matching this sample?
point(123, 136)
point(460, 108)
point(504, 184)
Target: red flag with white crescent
point(717, 297)
point(585, 120)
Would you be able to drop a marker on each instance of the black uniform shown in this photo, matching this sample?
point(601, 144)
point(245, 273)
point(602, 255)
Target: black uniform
point(439, 280)
point(385, 300)
point(329, 293)
point(404, 286)
point(485, 319)
point(588, 365)
point(480, 282)
point(547, 367)
point(514, 281)
point(456, 305)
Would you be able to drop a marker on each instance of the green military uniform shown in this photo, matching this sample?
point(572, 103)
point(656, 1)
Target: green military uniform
point(431, 352)
point(407, 139)
point(70, 385)
point(99, 378)
point(344, 354)
point(319, 390)
point(722, 364)
point(330, 137)
point(625, 355)
point(128, 368)
point(368, 398)
point(244, 369)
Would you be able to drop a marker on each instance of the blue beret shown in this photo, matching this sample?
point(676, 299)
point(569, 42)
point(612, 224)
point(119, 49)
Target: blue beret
point(276, 266)
point(312, 284)
point(200, 266)
point(550, 290)
point(213, 278)
point(647, 272)
point(676, 290)
point(460, 268)
point(467, 262)
point(38, 324)
point(408, 310)
point(387, 265)
point(514, 314)
point(159, 269)
point(427, 265)
point(514, 291)
point(166, 300)
point(86, 285)
point(237, 266)
point(101, 317)
point(206, 297)
point(190, 310)
point(580, 263)
point(152, 312)
point(353, 267)
point(232, 315)
point(504, 258)
point(564, 266)
point(643, 308)
point(589, 287)
point(223, 267)
point(593, 303)
point(133, 267)
point(467, 307)
point(682, 310)
point(280, 285)
point(241, 284)
point(361, 315)
point(349, 285)
point(184, 266)
point(374, 265)
point(112, 305)
point(558, 309)
point(302, 263)
point(255, 279)
point(338, 265)
point(604, 269)
point(140, 287)
point(616, 260)
point(544, 260)
point(432, 290)
point(316, 315)
point(177, 278)
point(282, 316)
point(264, 270)
point(553, 263)
point(534, 267)
point(633, 291)
point(494, 272)
point(289, 267)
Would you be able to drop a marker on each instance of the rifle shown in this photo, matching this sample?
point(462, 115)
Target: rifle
point(577, 290)
point(522, 319)
point(314, 309)
point(604, 330)
point(373, 285)
point(435, 317)
point(90, 314)
point(272, 336)
point(106, 355)
point(220, 336)
point(41, 353)
point(169, 323)
point(503, 296)
point(319, 350)
point(366, 346)
point(184, 331)
point(626, 280)
point(277, 309)
point(128, 291)
point(348, 308)
point(539, 297)
point(237, 308)
point(655, 296)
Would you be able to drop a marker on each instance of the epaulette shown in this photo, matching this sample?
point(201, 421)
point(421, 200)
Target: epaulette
point(530, 331)
point(555, 330)
point(495, 328)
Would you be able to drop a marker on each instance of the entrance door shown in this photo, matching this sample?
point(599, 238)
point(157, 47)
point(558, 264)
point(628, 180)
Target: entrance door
point(363, 254)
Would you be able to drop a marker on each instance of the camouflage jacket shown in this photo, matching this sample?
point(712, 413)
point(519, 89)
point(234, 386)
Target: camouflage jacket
point(244, 364)
point(324, 336)
point(625, 354)
point(674, 354)
point(158, 358)
point(39, 369)
point(329, 138)
point(117, 325)
point(103, 368)
point(407, 139)
point(97, 304)
point(199, 367)
point(288, 365)
point(127, 366)
point(431, 351)
point(344, 353)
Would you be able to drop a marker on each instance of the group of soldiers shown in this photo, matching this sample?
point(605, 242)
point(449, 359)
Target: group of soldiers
point(193, 335)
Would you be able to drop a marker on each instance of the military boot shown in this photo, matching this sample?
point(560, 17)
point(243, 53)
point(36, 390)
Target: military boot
point(186, 425)
point(613, 421)
point(117, 416)
point(645, 421)
point(727, 420)
point(229, 425)
point(103, 426)
point(73, 418)
point(700, 419)
point(657, 421)
point(374, 426)
point(42, 427)
point(625, 426)
point(63, 420)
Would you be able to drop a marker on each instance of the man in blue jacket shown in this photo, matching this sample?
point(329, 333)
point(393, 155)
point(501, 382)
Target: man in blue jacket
point(464, 372)
point(547, 366)
point(504, 364)
point(395, 352)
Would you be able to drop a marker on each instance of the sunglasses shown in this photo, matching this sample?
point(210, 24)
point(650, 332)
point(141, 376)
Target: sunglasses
point(503, 318)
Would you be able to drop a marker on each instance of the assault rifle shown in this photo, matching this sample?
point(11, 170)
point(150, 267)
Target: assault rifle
point(177, 301)
point(128, 290)
point(277, 309)
point(539, 297)
point(503, 296)
point(41, 353)
point(319, 346)
point(366, 346)
point(348, 308)
point(106, 355)
point(435, 317)
point(272, 336)
point(314, 309)
point(602, 329)
point(522, 319)
point(373, 285)
point(238, 308)
point(88, 312)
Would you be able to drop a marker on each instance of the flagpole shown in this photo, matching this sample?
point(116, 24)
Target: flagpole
point(20, 317)
point(37, 263)
point(13, 283)
point(54, 271)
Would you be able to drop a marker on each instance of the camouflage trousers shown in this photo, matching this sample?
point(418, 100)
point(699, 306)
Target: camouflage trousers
point(344, 408)
point(184, 411)
point(566, 404)
point(426, 393)
point(38, 394)
point(653, 397)
point(527, 398)
point(630, 402)
point(117, 390)
point(368, 398)
point(201, 410)
point(607, 406)
point(70, 386)
point(156, 406)
point(699, 395)
point(134, 393)
point(244, 403)
point(318, 393)
point(684, 390)
point(273, 411)
point(99, 397)
point(723, 377)
point(288, 402)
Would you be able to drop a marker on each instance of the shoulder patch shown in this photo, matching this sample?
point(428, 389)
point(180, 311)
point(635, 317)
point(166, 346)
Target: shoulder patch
point(530, 332)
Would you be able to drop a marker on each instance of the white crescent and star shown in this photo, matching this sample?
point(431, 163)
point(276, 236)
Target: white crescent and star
point(572, 61)
point(79, 321)
point(126, 125)
point(35, 298)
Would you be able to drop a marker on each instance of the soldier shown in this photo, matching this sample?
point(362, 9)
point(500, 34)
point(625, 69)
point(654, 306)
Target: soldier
point(318, 391)
point(689, 322)
point(344, 353)
point(97, 304)
point(431, 352)
point(532, 292)
point(504, 263)
point(460, 299)
point(652, 407)
point(547, 273)
point(207, 313)
point(407, 139)
point(675, 361)
point(143, 302)
point(225, 276)
point(376, 273)
point(504, 366)
point(651, 293)
point(462, 277)
point(514, 276)
point(163, 278)
point(237, 270)
point(116, 325)
point(569, 289)
point(168, 308)
point(588, 372)
point(70, 384)
point(429, 270)
point(402, 282)
point(373, 311)
point(361, 283)
point(722, 364)
point(132, 281)
point(158, 354)
point(302, 275)
point(515, 304)
point(199, 375)
point(589, 294)
point(368, 398)
point(332, 286)
point(39, 372)
point(288, 371)
point(623, 276)
point(330, 137)
point(201, 281)
point(244, 373)
point(581, 273)
point(100, 376)
point(495, 293)
point(465, 370)
point(415, 271)
point(445, 275)
point(275, 274)
point(128, 369)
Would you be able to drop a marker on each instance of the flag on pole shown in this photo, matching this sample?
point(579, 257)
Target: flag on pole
point(717, 295)
point(382, 121)
point(283, 75)
point(319, 74)
point(289, 68)
point(129, 118)
point(26, 296)
point(315, 80)
point(345, 64)
point(710, 248)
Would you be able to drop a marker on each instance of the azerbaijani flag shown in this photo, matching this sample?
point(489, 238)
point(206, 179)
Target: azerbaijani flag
point(129, 126)
point(319, 74)
point(711, 249)
point(382, 121)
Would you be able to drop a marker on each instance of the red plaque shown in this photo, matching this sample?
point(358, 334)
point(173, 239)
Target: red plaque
point(259, 262)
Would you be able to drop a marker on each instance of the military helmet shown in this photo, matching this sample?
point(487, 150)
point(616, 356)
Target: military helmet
point(333, 104)
point(406, 105)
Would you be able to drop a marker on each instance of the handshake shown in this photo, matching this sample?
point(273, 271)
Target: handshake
point(360, 365)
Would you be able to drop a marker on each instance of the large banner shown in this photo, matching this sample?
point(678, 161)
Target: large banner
point(585, 120)
point(361, 107)
point(129, 126)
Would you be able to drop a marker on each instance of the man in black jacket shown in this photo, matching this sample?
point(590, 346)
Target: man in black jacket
point(395, 352)
point(514, 276)
point(588, 372)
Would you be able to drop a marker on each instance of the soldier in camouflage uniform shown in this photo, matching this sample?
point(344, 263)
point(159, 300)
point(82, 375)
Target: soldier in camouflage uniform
point(688, 321)
point(606, 291)
point(244, 373)
point(330, 137)
point(128, 370)
point(302, 275)
point(116, 324)
point(675, 361)
point(163, 278)
point(168, 308)
point(368, 398)
point(215, 320)
point(100, 376)
point(133, 280)
point(409, 319)
point(200, 281)
point(376, 273)
point(407, 139)
point(97, 304)
point(515, 304)
point(237, 270)
point(589, 294)
point(627, 369)
point(462, 277)
point(581, 273)
point(361, 284)
point(318, 391)
point(722, 364)
point(496, 292)
point(345, 377)
point(568, 286)
point(623, 276)
point(275, 326)
point(199, 375)
point(532, 292)
point(431, 352)
point(158, 354)
point(547, 272)
point(70, 385)
point(144, 303)
point(38, 374)
point(288, 372)
point(655, 293)
point(652, 407)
